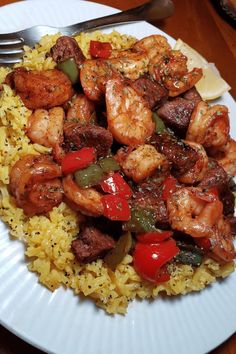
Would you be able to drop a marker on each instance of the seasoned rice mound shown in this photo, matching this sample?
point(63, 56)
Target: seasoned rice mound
point(48, 238)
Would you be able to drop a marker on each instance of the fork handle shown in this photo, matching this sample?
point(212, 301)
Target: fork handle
point(150, 11)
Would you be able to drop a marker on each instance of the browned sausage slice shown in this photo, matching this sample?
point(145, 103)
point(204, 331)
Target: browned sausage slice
point(91, 245)
point(66, 48)
point(88, 136)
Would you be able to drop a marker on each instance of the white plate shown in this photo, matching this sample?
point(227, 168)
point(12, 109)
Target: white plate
point(60, 322)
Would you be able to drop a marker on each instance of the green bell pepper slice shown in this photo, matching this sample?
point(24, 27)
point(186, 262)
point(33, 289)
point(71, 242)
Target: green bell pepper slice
point(69, 68)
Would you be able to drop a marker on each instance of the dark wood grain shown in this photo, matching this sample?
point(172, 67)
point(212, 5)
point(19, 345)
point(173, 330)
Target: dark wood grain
point(200, 25)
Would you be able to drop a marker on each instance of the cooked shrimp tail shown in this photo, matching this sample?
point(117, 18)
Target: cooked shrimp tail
point(188, 208)
point(226, 157)
point(46, 128)
point(35, 184)
point(209, 126)
point(88, 200)
point(129, 119)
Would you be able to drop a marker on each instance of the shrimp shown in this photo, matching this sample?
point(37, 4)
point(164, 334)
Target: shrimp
point(141, 163)
point(209, 126)
point(65, 48)
point(88, 200)
point(129, 64)
point(222, 247)
point(200, 214)
point(88, 136)
point(128, 117)
point(41, 89)
point(43, 197)
point(46, 128)
point(82, 110)
point(154, 46)
point(185, 83)
point(35, 185)
point(173, 64)
point(94, 75)
point(226, 157)
point(171, 69)
point(194, 212)
point(198, 171)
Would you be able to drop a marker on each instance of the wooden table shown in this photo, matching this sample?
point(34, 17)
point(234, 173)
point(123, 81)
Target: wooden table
point(199, 24)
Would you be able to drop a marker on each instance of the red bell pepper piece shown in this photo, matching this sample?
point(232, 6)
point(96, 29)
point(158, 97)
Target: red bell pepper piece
point(150, 258)
point(78, 160)
point(116, 208)
point(154, 237)
point(163, 275)
point(100, 49)
point(169, 187)
point(115, 184)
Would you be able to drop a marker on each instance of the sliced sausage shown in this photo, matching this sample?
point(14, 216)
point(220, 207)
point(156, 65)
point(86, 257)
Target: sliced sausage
point(232, 221)
point(148, 197)
point(193, 96)
point(228, 200)
point(65, 48)
point(176, 113)
point(88, 136)
point(215, 176)
point(91, 245)
point(152, 92)
point(182, 156)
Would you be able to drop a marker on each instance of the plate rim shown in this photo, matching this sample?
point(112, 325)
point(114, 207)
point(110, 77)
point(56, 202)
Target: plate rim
point(24, 336)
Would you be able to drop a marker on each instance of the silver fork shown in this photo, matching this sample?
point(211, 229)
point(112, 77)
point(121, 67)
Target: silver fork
point(11, 44)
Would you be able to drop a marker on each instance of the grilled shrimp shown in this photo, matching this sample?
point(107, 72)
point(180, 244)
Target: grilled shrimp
point(200, 214)
point(171, 69)
point(41, 89)
point(142, 162)
point(46, 128)
point(35, 185)
point(82, 110)
point(198, 171)
point(222, 248)
point(226, 157)
point(209, 126)
point(173, 64)
point(194, 212)
point(129, 64)
point(154, 46)
point(88, 200)
point(185, 83)
point(129, 119)
point(94, 75)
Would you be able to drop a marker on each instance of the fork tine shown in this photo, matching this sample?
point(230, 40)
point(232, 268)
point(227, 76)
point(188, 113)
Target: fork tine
point(11, 51)
point(11, 41)
point(9, 61)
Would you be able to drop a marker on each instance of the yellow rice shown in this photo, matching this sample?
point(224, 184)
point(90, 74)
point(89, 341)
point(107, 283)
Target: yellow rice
point(48, 238)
